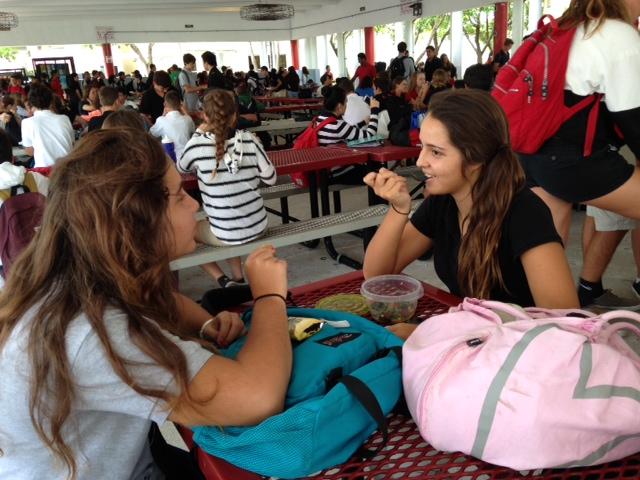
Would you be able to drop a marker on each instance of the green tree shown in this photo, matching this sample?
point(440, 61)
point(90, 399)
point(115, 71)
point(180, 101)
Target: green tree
point(333, 40)
point(478, 27)
point(437, 27)
point(148, 60)
point(8, 53)
point(385, 30)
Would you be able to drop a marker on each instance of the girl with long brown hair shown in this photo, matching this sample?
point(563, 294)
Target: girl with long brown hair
point(230, 165)
point(491, 236)
point(94, 341)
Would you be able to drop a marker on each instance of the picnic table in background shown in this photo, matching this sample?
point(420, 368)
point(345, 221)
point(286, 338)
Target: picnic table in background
point(289, 101)
point(407, 455)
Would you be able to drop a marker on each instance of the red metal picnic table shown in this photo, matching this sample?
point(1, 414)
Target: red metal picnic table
point(385, 153)
point(287, 109)
point(289, 101)
point(407, 455)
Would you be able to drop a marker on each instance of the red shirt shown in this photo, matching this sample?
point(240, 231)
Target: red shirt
point(15, 89)
point(366, 70)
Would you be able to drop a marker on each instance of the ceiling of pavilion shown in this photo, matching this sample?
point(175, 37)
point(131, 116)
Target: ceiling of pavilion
point(93, 8)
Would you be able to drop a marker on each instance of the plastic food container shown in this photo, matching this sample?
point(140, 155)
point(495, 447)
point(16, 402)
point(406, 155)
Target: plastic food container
point(392, 298)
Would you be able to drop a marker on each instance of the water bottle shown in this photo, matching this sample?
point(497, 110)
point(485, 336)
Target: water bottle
point(169, 147)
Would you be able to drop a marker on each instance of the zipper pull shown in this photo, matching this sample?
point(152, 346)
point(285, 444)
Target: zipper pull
point(545, 89)
point(475, 342)
point(529, 80)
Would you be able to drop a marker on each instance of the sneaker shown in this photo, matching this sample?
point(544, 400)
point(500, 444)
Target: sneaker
point(635, 288)
point(610, 301)
point(225, 282)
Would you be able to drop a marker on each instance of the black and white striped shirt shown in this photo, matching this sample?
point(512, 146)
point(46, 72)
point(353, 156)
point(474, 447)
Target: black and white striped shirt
point(341, 131)
point(231, 198)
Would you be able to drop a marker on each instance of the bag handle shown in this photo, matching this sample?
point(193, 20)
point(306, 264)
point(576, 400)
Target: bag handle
point(368, 400)
point(480, 306)
point(553, 23)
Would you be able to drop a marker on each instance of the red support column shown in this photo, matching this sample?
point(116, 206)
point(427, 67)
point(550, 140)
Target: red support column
point(108, 59)
point(369, 44)
point(501, 19)
point(295, 56)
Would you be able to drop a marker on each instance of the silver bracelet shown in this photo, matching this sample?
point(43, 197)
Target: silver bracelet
point(205, 325)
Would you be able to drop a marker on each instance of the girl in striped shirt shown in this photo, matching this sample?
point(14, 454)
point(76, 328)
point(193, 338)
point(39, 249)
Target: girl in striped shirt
point(230, 164)
point(335, 104)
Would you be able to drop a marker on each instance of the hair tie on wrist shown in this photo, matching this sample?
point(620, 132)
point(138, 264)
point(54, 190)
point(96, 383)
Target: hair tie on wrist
point(205, 325)
point(270, 295)
point(398, 211)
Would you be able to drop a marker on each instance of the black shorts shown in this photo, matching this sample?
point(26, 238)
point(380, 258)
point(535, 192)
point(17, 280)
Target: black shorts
point(561, 170)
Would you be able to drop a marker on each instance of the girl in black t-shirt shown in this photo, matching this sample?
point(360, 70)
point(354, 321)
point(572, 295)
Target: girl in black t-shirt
point(491, 236)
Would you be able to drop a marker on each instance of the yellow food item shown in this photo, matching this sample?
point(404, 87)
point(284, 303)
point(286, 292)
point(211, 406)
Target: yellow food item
point(345, 302)
point(301, 328)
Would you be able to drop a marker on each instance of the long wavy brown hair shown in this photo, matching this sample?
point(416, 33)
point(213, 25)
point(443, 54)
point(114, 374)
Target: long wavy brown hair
point(588, 11)
point(222, 112)
point(478, 127)
point(105, 241)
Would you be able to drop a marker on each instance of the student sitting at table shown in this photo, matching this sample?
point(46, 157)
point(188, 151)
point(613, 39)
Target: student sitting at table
point(335, 105)
point(230, 164)
point(174, 123)
point(491, 236)
point(110, 102)
point(95, 344)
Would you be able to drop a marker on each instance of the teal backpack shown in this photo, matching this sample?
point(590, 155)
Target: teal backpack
point(345, 380)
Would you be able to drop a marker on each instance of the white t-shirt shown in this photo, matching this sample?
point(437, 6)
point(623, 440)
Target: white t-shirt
point(109, 423)
point(51, 136)
point(608, 62)
point(177, 127)
point(357, 110)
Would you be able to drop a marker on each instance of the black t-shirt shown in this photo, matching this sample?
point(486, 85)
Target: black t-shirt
point(501, 58)
point(528, 224)
point(431, 66)
point(152, 104)
point(217, 80)
point(96, 122)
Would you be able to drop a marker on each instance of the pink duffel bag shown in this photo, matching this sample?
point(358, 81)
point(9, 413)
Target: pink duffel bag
point(552, 388)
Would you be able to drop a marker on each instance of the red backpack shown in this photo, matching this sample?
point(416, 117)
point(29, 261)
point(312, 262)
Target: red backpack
point(20, 216)
point(308, 139)
point(530, 89)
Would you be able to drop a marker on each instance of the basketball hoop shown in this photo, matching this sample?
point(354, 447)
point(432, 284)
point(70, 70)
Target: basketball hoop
point(105, 34)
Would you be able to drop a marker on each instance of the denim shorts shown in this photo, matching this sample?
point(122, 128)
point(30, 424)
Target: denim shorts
point(561, 170)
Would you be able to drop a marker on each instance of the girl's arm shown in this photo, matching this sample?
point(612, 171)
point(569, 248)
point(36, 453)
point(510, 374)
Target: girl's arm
point(266, 168)
point(397, 242)
point(549, 276)
point(252, 387)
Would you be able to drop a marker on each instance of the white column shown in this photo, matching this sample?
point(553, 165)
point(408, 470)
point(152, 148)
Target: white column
point(457, 38)
point(311, 53)
point(323, 58)
point(517, 23)
point(342, 64)
point(535, 12)
point(407, 33)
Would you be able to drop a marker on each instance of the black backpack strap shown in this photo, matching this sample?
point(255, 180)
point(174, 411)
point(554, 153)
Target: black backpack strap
point(368, 400)
point(14, 190)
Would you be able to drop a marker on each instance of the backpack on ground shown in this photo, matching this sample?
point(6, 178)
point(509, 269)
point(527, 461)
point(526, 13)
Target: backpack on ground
point(550, 389)
point(345, 380)
point(530, 89)
point(20, 216)
point(308, 139)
